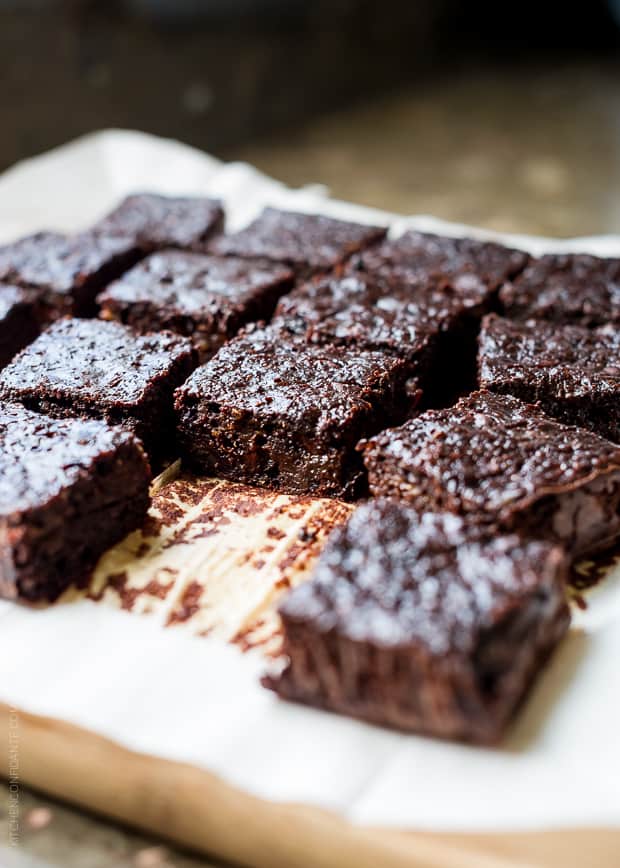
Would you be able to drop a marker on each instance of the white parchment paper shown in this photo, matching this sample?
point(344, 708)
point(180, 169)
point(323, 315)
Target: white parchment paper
point(199, 701)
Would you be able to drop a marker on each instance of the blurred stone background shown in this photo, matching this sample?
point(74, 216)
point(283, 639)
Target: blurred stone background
point(505, 115)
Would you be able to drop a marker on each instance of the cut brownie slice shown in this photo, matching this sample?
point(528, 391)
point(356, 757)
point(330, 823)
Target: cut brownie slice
point(571, 288)
point(81, 367)
point(357, 311)
point(440, 256)
point(69, 489)
point(286, 415)
point(204, 297)
point(416, 317)
point(499, 461)
point(308, 243)
point(18, 320)
point(67, 273)
point(422, 623)
point(454, 282)
point(154, 222)
point(574, 373)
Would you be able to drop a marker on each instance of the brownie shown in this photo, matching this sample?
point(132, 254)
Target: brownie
point(66, 272)
point(465, 260)
point(501, 462)
point(287, 415)
point(308, 243)
point(80, 367)
point(572, 372)
point(154, 222)
point(453, 282)
point(69, 489)
point(576, 289)
point(204, 297)
point(18, 320)
point(422, 623)
point(431, 323)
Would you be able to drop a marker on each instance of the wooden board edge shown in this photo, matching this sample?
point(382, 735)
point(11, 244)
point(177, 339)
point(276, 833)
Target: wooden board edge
point(194, 808)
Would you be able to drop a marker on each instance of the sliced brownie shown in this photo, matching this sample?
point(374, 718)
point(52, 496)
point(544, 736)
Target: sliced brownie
point(566, 288)
point(69, 489)
point(572, 372)
point(415, 317)
point(206, 298)
point(287, 415)
point(66, 272)
point(154, 222)
point(486, 263)
point(81, 367)
point(498, 461)
point(308, 243)
point(423, 623)
point(449, 283)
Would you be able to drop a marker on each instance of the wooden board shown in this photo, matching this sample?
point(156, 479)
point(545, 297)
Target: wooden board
point(192, 807)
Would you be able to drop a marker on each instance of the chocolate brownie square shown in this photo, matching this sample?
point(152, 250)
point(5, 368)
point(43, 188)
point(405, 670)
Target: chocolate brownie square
point(357, 311)
point(69, 489)
point(154, 222)
point(206, 298)
point(286, 415)
point(472, 262)
point(18, 320)
point(576, 289)
point(454, 282)
point(80, 367)
point(572, 372)
point(421, 623)
point(308, 243)
point(495, 460)
point(431, 323)
point(66, 272)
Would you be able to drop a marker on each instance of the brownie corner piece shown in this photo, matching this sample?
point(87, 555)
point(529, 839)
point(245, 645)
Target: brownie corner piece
point(69, 489)
point(422, 623)
point(205, 298)
point(92, 368)
point(570, 288)
point(573, 373)
point(154, 221)
point(276, 412)
point(308, 243)
point(501, 462)
point(67, 272)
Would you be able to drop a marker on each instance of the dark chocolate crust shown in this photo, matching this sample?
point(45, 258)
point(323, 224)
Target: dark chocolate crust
point(286, 415)
point(69, 489)
point(499, 461)
point(154, 222)
point(66, 272)
point(465, 261)
point(104, 370)
point(308, 243)
point(206, 298)
point(423, 623)
point(572, 288)
point(572, 372)
point(19, 323)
